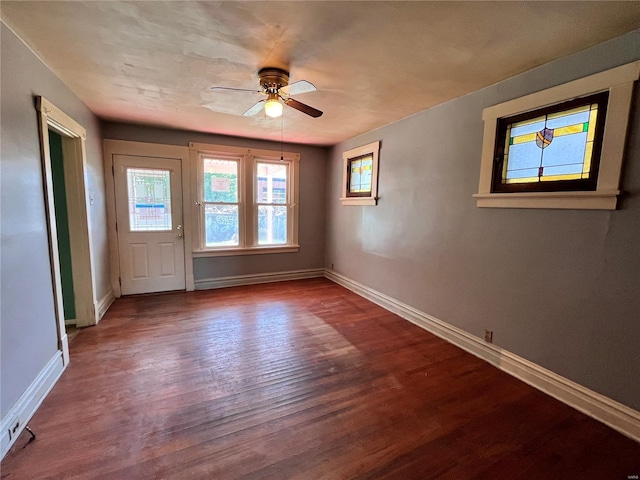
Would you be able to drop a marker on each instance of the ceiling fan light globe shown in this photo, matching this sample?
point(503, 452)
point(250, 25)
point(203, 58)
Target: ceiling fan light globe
point(273, 108)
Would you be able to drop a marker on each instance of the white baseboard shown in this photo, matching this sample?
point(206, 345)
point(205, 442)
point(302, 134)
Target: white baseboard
point(614, 414)
point(190, 283)
point(103, 304)
point(29, 402)
point(238, 280)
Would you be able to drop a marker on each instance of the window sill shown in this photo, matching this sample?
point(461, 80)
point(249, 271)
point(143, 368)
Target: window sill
point(359, 201)
point(229, 252)
point(597, 200)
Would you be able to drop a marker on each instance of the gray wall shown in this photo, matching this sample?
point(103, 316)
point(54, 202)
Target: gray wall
point(558, 287)
point(28, 325)
point(312, 201)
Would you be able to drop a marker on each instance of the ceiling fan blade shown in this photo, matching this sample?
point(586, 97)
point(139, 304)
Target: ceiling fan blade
point(296, 88)
point(255, 109)
point(215, 89)
point(315, 113)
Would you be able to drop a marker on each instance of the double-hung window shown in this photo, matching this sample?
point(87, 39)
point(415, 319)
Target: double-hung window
point(246, 200)
point(221, 200)
point(272, 201)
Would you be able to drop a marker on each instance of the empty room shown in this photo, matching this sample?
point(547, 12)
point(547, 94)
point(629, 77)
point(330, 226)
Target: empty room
point(319, 240)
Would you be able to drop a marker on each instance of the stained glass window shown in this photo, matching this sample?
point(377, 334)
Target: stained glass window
point(555, 144)
point(149, 197)
point(359, 175)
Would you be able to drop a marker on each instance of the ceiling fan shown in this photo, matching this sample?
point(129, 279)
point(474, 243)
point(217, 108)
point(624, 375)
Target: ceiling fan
point(275, 86)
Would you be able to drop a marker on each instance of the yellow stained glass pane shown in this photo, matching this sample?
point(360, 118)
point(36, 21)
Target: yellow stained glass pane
point(568, 130)
point(530, 137)
point(591, 133)
point(568, 176)
point(588, 153)
point(507, 141)
point(522, 180)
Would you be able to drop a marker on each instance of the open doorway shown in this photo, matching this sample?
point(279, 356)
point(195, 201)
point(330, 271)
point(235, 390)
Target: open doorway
point(62, 228)
point(63, 165)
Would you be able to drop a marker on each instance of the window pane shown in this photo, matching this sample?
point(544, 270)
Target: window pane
point(557, 146)
point(521, 157)
point(220, 180)
point(272, 225)
point(221, 225)
point(526, 127)
point(360, 174)
point(271, 184)
point(149, 198)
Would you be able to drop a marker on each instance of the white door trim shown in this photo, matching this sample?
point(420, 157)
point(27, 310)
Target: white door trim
point(74, 152)
point(122, 147)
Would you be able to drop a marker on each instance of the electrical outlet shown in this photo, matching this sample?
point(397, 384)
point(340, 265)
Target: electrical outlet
point(488, 336)
point(14, 426)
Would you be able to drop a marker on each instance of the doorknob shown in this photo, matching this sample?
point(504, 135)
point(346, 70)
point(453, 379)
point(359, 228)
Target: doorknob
point(179, 229)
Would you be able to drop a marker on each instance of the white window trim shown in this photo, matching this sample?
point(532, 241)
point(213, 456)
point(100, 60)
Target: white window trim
point(371, 148)
point(248, 211)
point(619, 82)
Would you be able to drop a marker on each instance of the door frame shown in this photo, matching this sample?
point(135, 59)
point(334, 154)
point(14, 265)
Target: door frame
point(139, 149)
point(74, 154)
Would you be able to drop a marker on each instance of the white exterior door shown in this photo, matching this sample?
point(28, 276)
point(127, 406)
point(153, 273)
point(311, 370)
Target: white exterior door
point(149, 224)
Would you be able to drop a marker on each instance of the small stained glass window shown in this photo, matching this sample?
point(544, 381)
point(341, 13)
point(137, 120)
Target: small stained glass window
point(360, 176)
point(553, 148)
point(149, 197)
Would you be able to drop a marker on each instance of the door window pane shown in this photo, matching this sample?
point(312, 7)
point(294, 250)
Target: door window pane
point(221, 225)
point(149, 198)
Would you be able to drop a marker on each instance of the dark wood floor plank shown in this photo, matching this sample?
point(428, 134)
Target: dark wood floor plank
point(296, 380)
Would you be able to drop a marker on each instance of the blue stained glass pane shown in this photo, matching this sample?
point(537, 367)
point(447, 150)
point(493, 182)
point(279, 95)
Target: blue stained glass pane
point(527, 172)
point(524, 129)
point(568, 120)
point(354, 183)
point(524, 155)
point(565, 150)
point(562, 169)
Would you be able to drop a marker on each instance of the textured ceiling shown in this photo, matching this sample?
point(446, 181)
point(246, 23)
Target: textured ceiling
point(372, 62)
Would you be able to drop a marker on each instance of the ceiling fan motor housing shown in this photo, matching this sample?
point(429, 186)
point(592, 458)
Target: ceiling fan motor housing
point(272, 79)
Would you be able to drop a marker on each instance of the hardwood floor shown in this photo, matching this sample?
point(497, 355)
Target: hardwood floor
point(296, 380)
